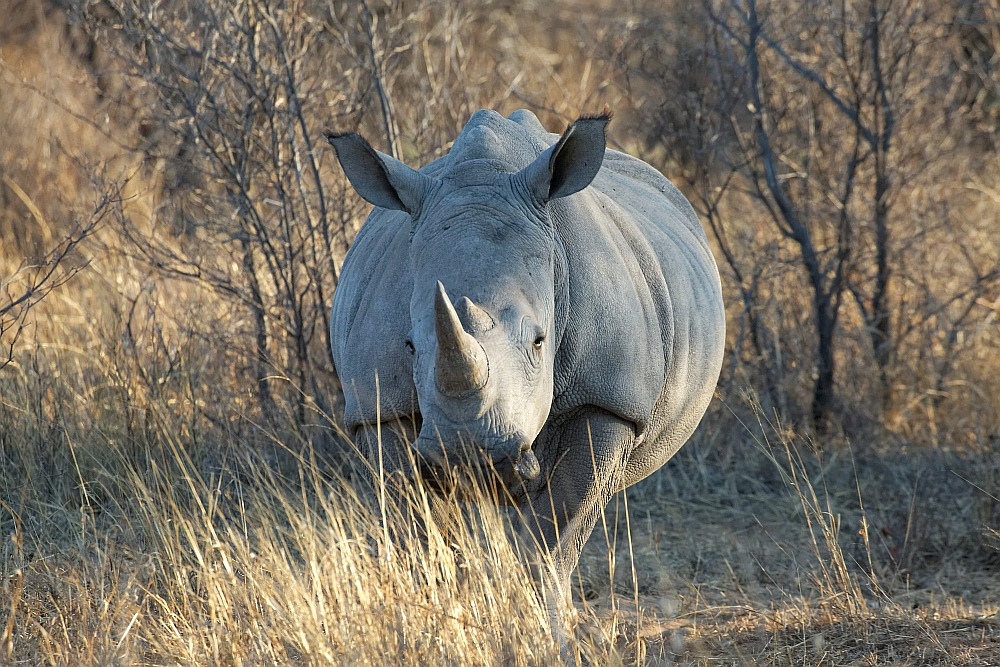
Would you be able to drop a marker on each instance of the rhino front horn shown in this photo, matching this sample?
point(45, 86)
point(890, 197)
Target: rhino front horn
point(461, 366)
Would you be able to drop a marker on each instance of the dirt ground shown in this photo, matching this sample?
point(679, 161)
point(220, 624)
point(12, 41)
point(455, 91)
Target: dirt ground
point(852, 556)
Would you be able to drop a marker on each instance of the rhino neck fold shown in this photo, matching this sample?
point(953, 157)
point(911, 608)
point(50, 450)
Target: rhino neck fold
point(560, 313)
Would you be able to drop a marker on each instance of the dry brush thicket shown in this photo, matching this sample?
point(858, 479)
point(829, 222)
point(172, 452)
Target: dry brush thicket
point(175, 488)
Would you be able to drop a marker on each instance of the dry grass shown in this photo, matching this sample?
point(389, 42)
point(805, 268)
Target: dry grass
point(261, 571)
point(721, 559)
point(785, 555)
point(140, 534)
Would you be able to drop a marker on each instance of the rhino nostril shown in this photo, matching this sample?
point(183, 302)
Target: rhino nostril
point(527, 466)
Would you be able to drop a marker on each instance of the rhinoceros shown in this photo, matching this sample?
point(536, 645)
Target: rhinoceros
point(532, 301)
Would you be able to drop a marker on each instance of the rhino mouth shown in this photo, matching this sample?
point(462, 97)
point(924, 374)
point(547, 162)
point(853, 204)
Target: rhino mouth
point(510, 460)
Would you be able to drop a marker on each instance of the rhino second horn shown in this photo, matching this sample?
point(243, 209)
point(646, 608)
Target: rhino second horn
point(461, 366)
point(475, 319)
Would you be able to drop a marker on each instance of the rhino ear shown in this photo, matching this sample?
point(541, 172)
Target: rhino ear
point(571, 164)
point(380, 179)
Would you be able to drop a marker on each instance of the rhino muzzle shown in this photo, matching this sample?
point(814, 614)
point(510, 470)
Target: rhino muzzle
point(432, 457)
point(461, 367)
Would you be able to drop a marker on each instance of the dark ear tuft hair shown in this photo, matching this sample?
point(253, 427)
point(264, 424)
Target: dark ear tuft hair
point(606, 115)
point(571, 164)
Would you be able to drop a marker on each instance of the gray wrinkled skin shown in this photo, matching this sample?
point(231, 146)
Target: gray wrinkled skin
point(579, 325)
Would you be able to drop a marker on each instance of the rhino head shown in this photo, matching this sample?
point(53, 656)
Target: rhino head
point(483, 257)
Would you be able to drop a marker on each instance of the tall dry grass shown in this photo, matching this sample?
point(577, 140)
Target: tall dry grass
point(127, 543)
point(124, 549)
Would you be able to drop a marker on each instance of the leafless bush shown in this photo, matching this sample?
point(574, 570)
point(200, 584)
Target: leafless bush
point(229, 99)
point(876, 277)
point(836, 125)
point(34, 279)
point(244, 204)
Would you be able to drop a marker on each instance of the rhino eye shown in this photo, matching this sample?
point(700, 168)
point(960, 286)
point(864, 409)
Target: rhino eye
point(539, 339)
point(409, 345)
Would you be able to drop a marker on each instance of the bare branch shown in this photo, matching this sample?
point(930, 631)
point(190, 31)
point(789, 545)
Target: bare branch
point(378, 78)
point(33, 281)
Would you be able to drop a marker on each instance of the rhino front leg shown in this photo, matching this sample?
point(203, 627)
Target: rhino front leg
point(590, 450)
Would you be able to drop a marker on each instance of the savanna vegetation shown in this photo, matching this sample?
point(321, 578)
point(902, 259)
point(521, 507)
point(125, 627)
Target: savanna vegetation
point(174, 485)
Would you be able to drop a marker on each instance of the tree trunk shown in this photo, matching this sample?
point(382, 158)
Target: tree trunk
point(261, 365)
point(823, 389)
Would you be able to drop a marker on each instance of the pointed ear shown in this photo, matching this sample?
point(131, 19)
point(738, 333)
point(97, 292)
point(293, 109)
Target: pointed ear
point(381, 180)
point(571, 164)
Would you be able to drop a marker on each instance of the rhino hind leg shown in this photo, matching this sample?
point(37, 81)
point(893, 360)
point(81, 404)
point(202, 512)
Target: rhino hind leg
point(590, 449)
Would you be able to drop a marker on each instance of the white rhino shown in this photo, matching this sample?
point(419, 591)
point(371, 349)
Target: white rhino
point(534, 302)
